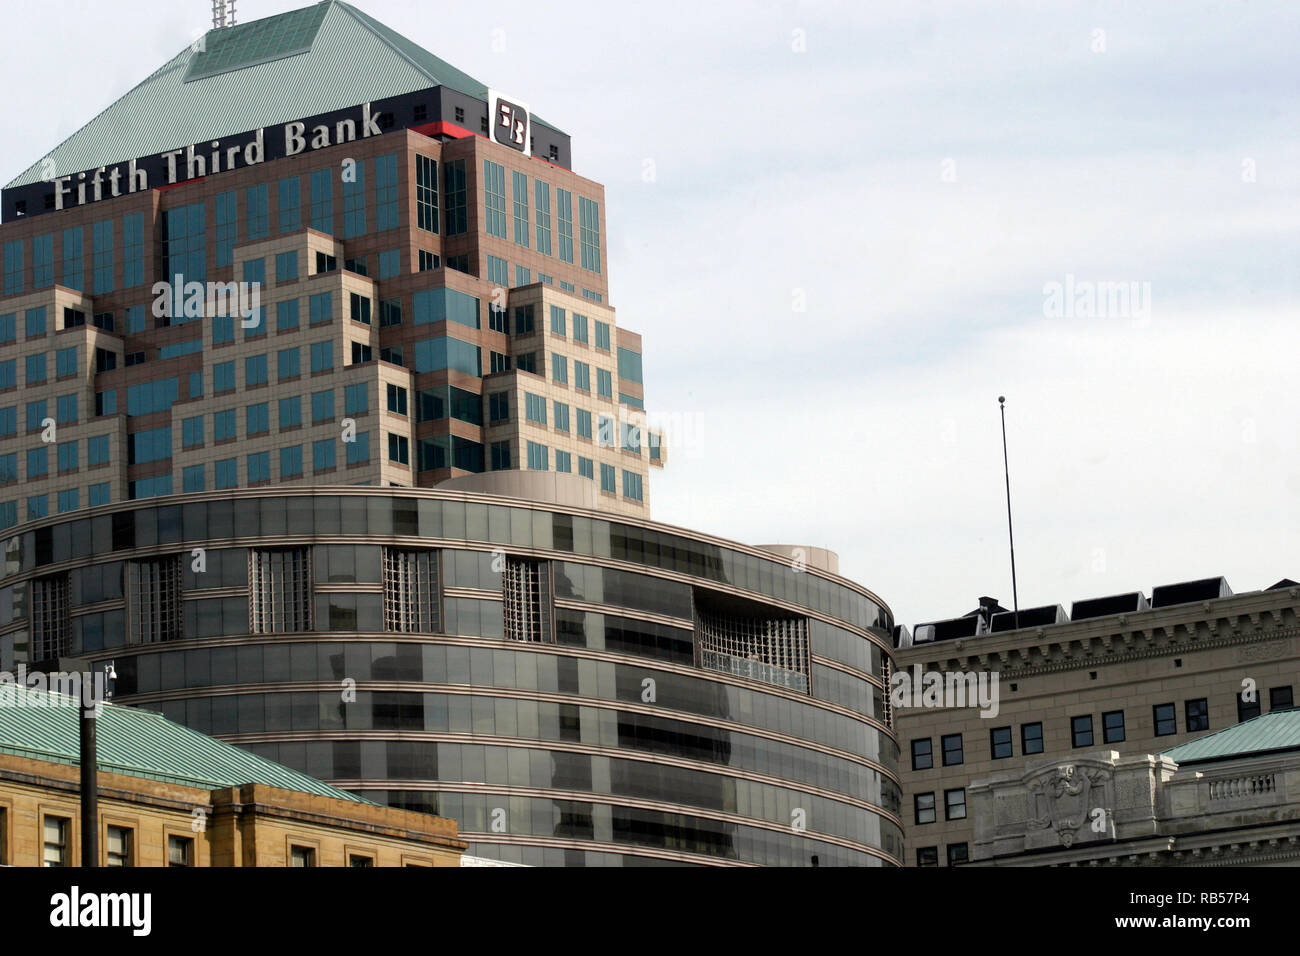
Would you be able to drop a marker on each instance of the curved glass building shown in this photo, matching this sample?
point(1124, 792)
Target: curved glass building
point(573, 687)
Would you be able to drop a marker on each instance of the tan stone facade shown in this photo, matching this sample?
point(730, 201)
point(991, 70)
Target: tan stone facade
point(1125, 665)
point(252, 825)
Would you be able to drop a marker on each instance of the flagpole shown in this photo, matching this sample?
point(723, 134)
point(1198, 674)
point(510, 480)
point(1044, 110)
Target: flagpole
point(1015, 599)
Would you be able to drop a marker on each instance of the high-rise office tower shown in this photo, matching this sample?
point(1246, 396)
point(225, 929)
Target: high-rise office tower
point(307, 251)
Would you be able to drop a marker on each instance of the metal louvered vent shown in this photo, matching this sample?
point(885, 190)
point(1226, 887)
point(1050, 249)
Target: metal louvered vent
point(772, 649)
point(279, 590)
point(886, 674)
point(51, 626)
point(411, 591)
point(526, 590)
point(154, 600)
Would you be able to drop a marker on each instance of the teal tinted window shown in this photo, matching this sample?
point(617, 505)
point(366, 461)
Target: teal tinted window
point(386, 192)
point(436, 305)
point(257, 215)
point(354, 202)
point(589, 233)
point(227, 227)
point(564, 213)
point(435, 355)
point(543, 216)
point(102, 256)
point(72, 259)
point(629, 365)
point(519, 192)
point(426, 193)
point(602, 335)
point(185, 243)
point(132, 250)
point(13, 256)
point(322, 200)
point(42, 261)
point(494, 198)
point(457, 194)
point(290, 205)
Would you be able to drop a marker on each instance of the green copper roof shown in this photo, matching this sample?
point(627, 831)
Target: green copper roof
point(1278, 730)
point(137, 743)
point(325, 57)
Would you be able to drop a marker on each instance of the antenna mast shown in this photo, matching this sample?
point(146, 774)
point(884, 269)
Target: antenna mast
point(223, 14)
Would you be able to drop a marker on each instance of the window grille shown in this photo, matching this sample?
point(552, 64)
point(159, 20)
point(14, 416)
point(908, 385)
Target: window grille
point(279, 585)
point(154, 605)
point(411, 591)
point(770, 649)
point(526, 588)
point(51, 627)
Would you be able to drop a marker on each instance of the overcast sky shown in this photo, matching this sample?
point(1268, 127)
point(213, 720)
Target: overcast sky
point(834, 223)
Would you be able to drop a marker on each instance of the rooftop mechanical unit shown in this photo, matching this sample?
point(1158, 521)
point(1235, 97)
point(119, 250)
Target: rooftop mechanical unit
point(1115, 604)
point(1207, 589)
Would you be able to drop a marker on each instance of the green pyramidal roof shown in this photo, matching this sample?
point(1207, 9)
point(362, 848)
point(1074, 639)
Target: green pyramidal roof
point(137, 743)
point(1277, 730)
point(309, 61)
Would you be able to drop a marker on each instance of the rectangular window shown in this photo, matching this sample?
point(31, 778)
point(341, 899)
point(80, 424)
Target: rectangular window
point(290, 205)
point(1247, 709)
point(359, 308)
point(396, 399)
point(291, 461)
point(117, 846)
point(257, 216)
point(223, 377)
point(385, 193)
point(67, 455)
point(927, 856)
point(584, 423)
point(257, 419)
point(1000, 742)
point(411, 591)
point(390, 263)
point(563, 462)
point(558, 326)
point(322, 307)
point(1081, 731)
point(633, 486)
point(43, 261)
point(399, 449)
point(1198, 715)
point(255, 370)
point(589, 233)
point(519, 190)
point(579, 328)
point(286, 267)
point(1280, 698)
point(102, 245)
point(322, 200)
point(227, 228)
point(355, 399)
point(180, 851)
point(607, 479)
point(564, 213)
point(288, 364)
point(13, 254)
point(35, 321)
point(259, 467)
point(604, 383)
point(279, 585)
point(1031, 739)
point(290, 412)
point(426, 260)
point(526, 608)
point(543, 196)
point(322, 356)
point(535, 408)
point(35, 371)
point(38, 462)
point(99, 494)
point(322, 455)
point(50, 624)
point(586, 467)
point(582, 376)
point(602, 335)
point(426, 193)
point(605, 431)
point(498, 271)
point(952, 750)
point(132, 250)
point(561, 411)
point(224, 426)
point(923, 808)
point(67, 361)
point(958, 853)
point(322, 406)
point(154, 600)
point(457, 193)
point(494, 198)
point(72, 261)
point(55, 832)
point(185, 243)
point(1112, 727)
point(192, 478)
point(500, 455)
point(954, 804)
point(1165, 718)
point(539, 457)
point(523, 275)
point(358, 451)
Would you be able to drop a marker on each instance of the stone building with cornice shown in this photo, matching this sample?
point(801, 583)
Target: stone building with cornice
point(1229, 799)
point(1121, 674)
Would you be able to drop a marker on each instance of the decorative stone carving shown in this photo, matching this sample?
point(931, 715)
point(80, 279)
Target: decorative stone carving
point(1064, 797)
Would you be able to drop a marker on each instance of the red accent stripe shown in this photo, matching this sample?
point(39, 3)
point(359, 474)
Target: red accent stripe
point(444, 129)
point(184, 182)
